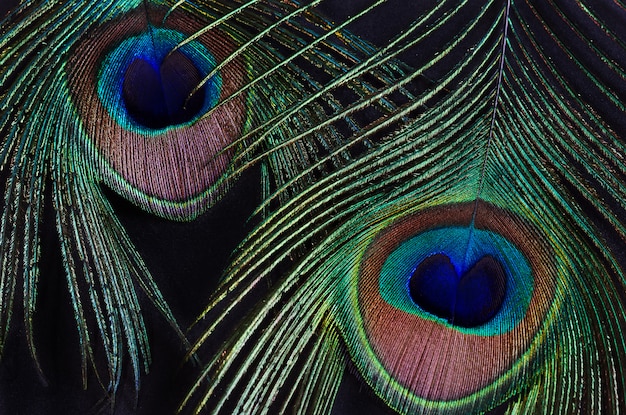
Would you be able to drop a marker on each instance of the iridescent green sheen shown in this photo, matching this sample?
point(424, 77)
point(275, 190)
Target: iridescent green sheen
point(493, 125)
point(516, 131)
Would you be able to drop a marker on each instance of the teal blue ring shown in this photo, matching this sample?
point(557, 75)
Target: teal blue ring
point(152, 46)
point(453, 242)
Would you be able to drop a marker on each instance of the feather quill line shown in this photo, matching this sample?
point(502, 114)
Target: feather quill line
point(336, 181)
point(327, 185)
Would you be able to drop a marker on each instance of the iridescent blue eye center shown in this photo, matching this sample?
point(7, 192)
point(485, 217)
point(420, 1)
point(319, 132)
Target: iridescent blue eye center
point(482, 287)
point(467, 300)
point(159, 94)
point(148, 82)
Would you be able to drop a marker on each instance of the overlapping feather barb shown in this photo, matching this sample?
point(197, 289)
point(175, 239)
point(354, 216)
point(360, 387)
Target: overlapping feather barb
point(515, 153)
point(82, 107)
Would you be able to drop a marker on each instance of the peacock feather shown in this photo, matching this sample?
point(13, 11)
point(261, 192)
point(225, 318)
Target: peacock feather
point(165, 104)
point(444, 213)
point(472, 259)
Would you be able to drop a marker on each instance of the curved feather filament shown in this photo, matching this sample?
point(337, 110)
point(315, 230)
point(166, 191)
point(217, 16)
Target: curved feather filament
point(502, 133)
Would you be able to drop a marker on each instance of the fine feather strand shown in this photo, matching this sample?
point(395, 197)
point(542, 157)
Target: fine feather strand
point(51, 137)
point(505, 125)
point(510, 124)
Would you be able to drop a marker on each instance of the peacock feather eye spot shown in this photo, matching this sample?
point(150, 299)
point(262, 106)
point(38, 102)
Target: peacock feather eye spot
point(161, 94)
point(148, 85)
point(467, 278)
point(469, 299)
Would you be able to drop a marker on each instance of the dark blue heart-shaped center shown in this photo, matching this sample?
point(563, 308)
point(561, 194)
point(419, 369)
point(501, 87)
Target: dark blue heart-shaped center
point(157, 95)
point(469, 300)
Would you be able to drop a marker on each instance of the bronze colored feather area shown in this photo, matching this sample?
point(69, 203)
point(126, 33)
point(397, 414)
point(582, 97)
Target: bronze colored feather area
point(312, 206)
